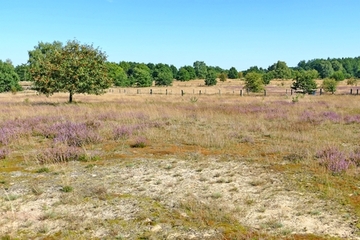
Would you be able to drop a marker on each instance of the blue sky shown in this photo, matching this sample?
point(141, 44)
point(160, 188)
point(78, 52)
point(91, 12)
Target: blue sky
point(225, 33)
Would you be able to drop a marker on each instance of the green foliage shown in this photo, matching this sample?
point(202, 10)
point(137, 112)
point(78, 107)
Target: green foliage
point(210, 79)
point(163, 75)
point(9, 80)
point(117, 75)
point(222, 77)
point(233, 73)
point(191, 72)
point(23, 71)
point(329, 85)
point(279, 70)
point(254, 69)
point(174, 70)
point(200, 69)
point(267, 77)
point(254, 82)
point(73, 68)
point(141, 77)
point(338, 76)
point(183, 74)
point(67, 189)
point(352, 81)
point(305, 81)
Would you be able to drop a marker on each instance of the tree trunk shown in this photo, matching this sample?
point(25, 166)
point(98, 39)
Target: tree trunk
point(70, 97)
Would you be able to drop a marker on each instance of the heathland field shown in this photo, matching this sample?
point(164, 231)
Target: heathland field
point(215, 165)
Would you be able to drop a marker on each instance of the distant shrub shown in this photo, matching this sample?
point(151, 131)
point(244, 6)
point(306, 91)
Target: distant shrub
point(352, 81)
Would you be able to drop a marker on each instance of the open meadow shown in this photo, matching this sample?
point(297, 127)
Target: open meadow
point(215, 165)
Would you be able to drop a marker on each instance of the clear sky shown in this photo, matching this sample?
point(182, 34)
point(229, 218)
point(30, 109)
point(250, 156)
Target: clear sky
point(225, 33)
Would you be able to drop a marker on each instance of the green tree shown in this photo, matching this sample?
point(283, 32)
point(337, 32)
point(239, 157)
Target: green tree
point(330, 85)
point(23, 71)
point(267, 77)
point(174, 70)
point(210, 79)
point(141, 77)
point(338, 76)
point(183, 74)
point(325, 69)
point(280, 70)
point(305, 81)
point(73, 68)
point(163, 75)
point(200, 69)
point(117, 75)
point(9, 80)
point(233, 73)
point(191, 72)
point(254, 82)
point(223, 77)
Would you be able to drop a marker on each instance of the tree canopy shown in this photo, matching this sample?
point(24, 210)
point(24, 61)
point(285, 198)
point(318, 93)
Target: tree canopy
point(73, 68)
point(305, 81)
point(254, 82)
point(9, 80)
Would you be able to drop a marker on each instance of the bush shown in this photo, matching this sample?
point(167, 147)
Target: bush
point(210, 79)
point(305, 81)
point(330, 85)
point(254, 82)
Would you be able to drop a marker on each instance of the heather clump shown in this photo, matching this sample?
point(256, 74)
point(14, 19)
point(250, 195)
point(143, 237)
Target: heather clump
point(334, 160)
point(75, 134)
point(122, 132)
point(140, 142)
point(355, 157)
point(310, 117)
point(59, 154)
point(331, 116)
point(352, 119)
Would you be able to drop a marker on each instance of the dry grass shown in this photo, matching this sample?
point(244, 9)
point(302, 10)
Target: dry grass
point(209, 166)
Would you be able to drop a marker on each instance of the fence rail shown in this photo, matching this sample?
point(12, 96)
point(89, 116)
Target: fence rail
point(213, 91)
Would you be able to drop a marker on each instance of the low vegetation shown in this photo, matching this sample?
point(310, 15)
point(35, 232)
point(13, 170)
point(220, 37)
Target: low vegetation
point(168, 167)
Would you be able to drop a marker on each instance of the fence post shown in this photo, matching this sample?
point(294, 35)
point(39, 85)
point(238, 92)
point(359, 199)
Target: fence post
point(264, 92)
point(241, 92)
point(291, 92)
point(351, 91)
point(166, 91)
point(150, 91)
point(182, 92)
point(321, 91)
point(357, 91)
point(199, 92)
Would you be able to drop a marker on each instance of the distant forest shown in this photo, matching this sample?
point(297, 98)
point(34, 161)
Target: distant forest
point(133, 74)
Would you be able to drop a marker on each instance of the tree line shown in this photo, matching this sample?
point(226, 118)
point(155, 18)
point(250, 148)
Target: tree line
point(81, 68)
